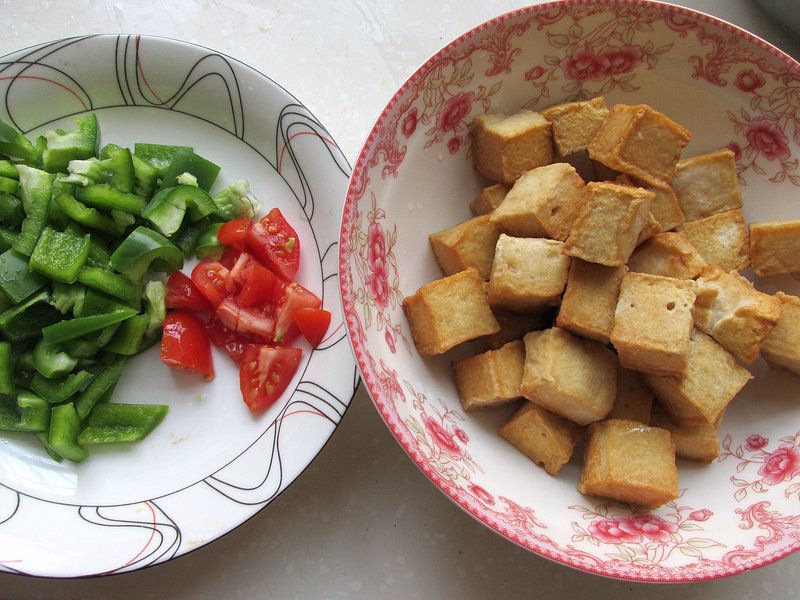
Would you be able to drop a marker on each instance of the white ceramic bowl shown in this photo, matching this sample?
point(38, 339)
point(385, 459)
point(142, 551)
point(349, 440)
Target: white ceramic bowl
point(211, 464)
point(414, 176)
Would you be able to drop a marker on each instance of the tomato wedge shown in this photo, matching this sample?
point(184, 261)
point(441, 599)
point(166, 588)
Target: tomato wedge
point(256, 323)
point(256, 283)
point(273, 241)
point(313, 323)
point(292, 297)
point(231, 342)
point(232, 234)
point(183, 293)
point(211, 278)
point(185, 345)
point(265, 372)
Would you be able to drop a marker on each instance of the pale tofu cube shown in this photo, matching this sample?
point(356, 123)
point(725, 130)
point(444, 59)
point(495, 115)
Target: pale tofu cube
point(721, 239)
point(775, 247)
point(470, 243)
point(669, 254)
point(707, 184)
point(576, 123)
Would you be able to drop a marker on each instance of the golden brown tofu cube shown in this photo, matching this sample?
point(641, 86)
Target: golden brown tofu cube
point(504, 147)
point(634, 399)
point(468, 244)
point(665, 208)
point(692, 442)
point(571, 376)
point(489, 199)
point(775, 247)
point(544, 437)
point(733, 312)
point(641, 142)
point(700, 395)
point(629, 462)
point(608, 228)
point(528, 274)
point(590, 299)
point(653, 322)
point(491, 378)
point(512, 327)
point(543, 202)
point(781, 348)
point(721, 239)
point(668, 254)
point(575, 123)
point(449, 311)
point(707, 184)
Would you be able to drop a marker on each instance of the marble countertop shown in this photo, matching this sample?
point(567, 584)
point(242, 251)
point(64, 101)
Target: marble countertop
point(362, 521)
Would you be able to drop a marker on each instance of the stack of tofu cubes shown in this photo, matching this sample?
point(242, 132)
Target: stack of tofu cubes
point(609, 307)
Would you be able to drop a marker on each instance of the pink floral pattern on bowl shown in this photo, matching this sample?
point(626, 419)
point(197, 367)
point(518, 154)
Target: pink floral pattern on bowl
point(414, 176)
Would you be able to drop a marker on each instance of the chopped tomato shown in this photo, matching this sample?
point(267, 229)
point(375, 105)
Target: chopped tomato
point(313, 323)
point(229, 257)
point(265, 372)
point(182, 293)
point(232, 234)
point(273, 241)
point(231, 342)
point(292, 296)
point(256, 284)
point(211, 278)
point(185, 345)
point(256, 323)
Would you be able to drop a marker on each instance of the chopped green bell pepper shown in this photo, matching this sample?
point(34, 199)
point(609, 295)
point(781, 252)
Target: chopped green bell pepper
point(186, 161)
point(16, 145)
point(11, 212)
point(80, 326)
point(64, 146)
point(26, 320)
point(35, 192)
point(158, 155)
point(114, 284)
point(65, 425)
point(51, 361)
point(17, 280)
point(104, 381)
point(59, 255)
point(114, 423)
point(102, 195)
point(56, 391)
point(146, 249)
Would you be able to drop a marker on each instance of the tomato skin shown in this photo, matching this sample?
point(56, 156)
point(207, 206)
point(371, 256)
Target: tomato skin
point(183, 293)
point(211, 279)
point(292, 297)
point(232, 234)
point(231, 342)
point(256, 286)
point(313, 323)
point(273, 241)
point(185, 345)
point(265, 372)
point(229, 257)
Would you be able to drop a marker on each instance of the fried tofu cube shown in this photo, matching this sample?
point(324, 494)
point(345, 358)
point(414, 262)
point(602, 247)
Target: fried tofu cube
point(692, 442)
point(707, 184)
point(543, 202)
point(775, 247)
point(733, 312)
point(629, 462)
point(653, 322)
point(781, 348)
point(528, 274)
point(640, 141)
point(700, 395)
point(491, 378)
point(505, 146)
point(544, 437)
point(634, 399)
point(668, 254)
point(468, 244)
point(590, 299)
point(449, 311)
point(575, 124)
point(721, 239)
point(665, 208)
point(608, 228)
point(489, 199)
point(571, 376)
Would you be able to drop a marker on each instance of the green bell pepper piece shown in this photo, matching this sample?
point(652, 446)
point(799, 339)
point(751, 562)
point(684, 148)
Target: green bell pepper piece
point(7, 387)
point(186, 161)
point(208, 246)
point(56, 391)
point(65, 425)
point(8, 169)
point(145, 249)
point(59, 255)
point(51, 361)
point(17, 280)
point(8, 185)
point(27, 319)
point(158, 155)
point(35, 191)
point(64, 146)
point(115, 422)
point(113, 166)
point(7, 237)
point(102, 195)
point(80, 326)
point(104, 381)
point(88, 216)
point(26, 412)
point(118, 285)
point(127, 339)
point(168, 207)
point(16, 145)
point(11, 212)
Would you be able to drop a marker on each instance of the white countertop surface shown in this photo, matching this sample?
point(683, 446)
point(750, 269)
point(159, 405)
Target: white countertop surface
point(362, 521)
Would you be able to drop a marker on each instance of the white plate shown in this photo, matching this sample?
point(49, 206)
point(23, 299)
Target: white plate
point(414, 176)
point(211, 464)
